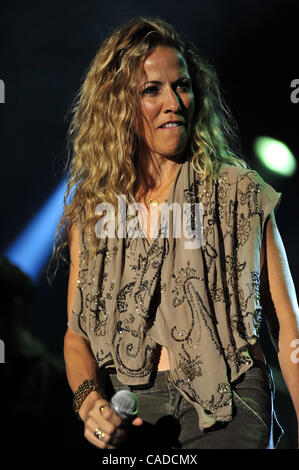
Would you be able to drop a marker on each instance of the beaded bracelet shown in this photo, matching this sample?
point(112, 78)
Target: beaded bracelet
point(82, 392)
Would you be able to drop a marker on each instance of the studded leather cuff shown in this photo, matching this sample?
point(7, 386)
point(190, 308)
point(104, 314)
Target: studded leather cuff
point(82, 392)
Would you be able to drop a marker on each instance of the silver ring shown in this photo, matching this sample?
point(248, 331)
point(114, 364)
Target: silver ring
point(99, 434)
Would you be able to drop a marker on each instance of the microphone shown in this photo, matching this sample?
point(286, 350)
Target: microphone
point(125, 405)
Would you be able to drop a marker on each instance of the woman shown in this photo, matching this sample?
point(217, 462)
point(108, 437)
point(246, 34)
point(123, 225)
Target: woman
point(173, 322)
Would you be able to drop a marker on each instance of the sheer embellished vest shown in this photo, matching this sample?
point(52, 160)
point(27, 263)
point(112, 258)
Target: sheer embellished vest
point(200, 301)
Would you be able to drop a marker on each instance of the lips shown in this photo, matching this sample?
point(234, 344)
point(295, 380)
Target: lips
point(171, 124)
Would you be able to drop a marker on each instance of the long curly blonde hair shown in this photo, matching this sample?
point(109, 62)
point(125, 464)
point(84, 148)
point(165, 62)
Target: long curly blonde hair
point(101, 138)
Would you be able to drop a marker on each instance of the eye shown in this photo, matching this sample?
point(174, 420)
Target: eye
point(150, 91)
point(184, 85)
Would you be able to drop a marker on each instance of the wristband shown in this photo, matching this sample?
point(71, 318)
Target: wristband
point(82, 392)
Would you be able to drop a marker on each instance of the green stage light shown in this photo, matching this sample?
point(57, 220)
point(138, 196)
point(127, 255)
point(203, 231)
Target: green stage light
point(275, 155)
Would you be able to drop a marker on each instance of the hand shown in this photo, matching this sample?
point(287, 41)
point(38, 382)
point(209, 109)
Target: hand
point(114, 430)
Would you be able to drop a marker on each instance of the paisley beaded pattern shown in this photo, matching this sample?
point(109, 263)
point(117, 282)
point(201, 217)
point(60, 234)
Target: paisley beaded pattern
point(203, 305)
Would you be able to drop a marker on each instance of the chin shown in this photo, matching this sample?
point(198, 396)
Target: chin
point(174, 152)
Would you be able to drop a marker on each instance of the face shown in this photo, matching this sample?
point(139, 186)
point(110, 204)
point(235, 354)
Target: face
point(167, 102)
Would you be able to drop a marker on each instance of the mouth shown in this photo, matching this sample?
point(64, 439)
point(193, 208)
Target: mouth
point(172, 125)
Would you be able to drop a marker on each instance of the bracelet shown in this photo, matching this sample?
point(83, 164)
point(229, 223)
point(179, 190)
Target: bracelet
point(82, 392)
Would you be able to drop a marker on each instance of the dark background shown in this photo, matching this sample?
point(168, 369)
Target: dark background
point(45, 49)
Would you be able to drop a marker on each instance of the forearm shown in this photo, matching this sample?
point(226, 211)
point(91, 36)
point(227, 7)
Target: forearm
point(80, 363)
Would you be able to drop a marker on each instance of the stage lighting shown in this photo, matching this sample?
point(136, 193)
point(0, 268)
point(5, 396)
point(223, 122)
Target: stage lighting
point(33, 246)
point(275, 155)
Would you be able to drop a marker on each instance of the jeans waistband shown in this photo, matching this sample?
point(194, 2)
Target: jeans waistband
point(161, 379)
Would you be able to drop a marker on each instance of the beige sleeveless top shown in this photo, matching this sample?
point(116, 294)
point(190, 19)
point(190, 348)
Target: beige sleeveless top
point(202, 304)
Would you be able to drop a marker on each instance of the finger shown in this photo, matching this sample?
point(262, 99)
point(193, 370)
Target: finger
point(98, 437)
point(112, 434)
point(137, 421)
point(105, 417)
point(100, 444)
point(90, 437)
point(101, 423)
point(101, 408)
point(110, 440)
point(118, 438)
point(110, 415)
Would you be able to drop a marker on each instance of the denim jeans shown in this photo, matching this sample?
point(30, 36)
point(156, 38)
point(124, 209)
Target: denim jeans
point(172, 422)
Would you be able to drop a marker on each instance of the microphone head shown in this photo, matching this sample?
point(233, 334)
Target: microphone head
point(125, 404)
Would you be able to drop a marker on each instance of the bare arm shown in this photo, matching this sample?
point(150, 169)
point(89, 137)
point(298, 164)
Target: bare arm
point(279, 300)
point(81, 365)
point(79, 361)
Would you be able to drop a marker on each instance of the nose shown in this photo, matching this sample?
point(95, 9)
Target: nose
point(172, 101)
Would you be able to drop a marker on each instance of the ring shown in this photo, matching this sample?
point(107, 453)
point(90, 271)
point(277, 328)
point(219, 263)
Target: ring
point(101, 408)
point(99, 434)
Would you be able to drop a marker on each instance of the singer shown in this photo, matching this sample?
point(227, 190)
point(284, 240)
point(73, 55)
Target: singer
point(177, 326)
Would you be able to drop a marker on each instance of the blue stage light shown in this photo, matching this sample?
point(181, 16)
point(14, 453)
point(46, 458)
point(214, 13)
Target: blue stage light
point(33, 246)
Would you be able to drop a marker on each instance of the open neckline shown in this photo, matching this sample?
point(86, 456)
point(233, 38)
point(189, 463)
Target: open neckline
point(148, 244)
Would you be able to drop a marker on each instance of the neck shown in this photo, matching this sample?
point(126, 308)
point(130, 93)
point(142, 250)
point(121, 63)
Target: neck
point(155, 171)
